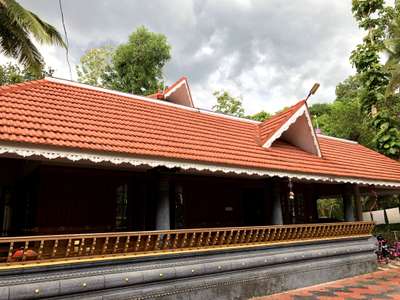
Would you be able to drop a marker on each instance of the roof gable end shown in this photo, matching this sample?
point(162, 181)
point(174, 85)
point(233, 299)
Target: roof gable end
point(293, 126)
point(178, 93)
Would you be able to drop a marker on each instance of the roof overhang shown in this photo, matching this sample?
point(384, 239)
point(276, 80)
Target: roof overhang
point(47, 153)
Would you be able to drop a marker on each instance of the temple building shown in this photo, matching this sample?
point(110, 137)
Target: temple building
point(112, 195)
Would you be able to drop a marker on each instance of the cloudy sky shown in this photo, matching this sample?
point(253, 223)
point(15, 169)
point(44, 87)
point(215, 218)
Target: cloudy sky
point(268, 52)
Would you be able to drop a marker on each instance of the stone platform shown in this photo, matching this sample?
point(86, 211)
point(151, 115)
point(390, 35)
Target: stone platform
point(223, 274)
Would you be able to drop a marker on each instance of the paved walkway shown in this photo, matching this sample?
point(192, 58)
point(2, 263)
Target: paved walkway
point(383, 284)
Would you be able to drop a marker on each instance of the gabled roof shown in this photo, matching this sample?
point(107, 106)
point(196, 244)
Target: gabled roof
point(270, 126)
point(57, 118)
point(294, 126)
point(178, 93)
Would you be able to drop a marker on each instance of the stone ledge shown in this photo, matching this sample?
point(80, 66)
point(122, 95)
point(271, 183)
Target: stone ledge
point(197, 271)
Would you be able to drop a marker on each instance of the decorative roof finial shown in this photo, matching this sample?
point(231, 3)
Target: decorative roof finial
point(313, 90)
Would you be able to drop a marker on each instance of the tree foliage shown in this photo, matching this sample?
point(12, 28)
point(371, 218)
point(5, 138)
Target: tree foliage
point(134, 67)
point(392, 49)
point(367, 105)
point(375, 18)
point(343, 118)
point(12, 73)
point(330, 208)
point(228, 104)
point(94, 64)
point(260, 116)
point(17, 28)
point(137, 66)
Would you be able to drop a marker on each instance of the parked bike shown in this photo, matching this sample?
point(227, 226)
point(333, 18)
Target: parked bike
point(383, 253)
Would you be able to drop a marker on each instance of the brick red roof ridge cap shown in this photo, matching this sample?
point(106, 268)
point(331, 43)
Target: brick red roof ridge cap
point(283, 112)
point(291, 110)
point(144, 98)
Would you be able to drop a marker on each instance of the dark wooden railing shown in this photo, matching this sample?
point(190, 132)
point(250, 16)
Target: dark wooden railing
point(30, 250)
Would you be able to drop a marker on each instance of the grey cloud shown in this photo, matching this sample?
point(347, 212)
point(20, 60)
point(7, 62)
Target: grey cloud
point(299, 41)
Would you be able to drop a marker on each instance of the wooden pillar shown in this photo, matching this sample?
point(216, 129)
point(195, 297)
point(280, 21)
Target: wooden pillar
point(310, 200)
point(276, 216)
point(357, 202)
point(314, 202)
point(179, 208)
point(348, 203)
point(163, 214)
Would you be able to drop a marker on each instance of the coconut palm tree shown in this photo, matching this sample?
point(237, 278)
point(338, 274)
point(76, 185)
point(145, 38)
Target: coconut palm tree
point(17, 28)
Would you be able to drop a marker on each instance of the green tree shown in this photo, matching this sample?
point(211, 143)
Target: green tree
point(94, 64)
point(343, 118)
point(228, 104)
point(17, 27)
point(318, 110)
point(330, 209)
point(348, 89)
point(137, 66)
point(392, 49)
point(12, 73)
point(374, 17)
point(260, 116)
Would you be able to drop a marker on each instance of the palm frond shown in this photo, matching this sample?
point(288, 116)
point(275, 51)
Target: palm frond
point(17, 26)
point(54, 37)
point(15, 42)
point(42, 31)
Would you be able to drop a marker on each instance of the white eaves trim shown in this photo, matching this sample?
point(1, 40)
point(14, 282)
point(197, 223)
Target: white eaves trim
point(173, 90)
point(302, 110)
point(148, 99)
point(7, 150)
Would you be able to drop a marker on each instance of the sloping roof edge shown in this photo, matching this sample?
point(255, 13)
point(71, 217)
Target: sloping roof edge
point(10, 150)
point(302, 110)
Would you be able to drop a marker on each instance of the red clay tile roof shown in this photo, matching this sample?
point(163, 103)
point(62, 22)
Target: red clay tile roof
point(158, 95)
point(268, 127)
point(68, 116)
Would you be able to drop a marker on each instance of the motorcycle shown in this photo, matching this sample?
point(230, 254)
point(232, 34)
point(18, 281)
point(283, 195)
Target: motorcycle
point(382, 252)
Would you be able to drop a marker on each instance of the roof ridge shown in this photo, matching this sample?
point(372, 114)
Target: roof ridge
point(336, 138)
point(146, 98)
